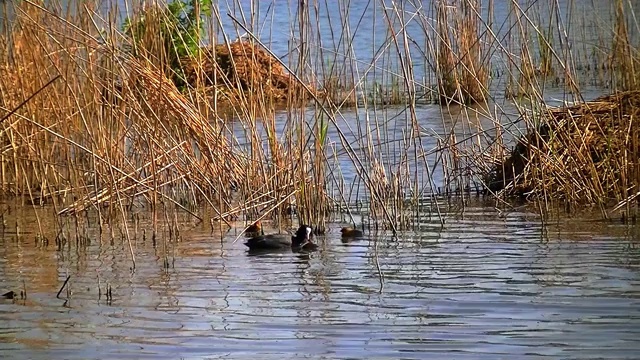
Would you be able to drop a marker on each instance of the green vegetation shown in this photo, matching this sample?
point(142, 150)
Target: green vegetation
point(169, 34)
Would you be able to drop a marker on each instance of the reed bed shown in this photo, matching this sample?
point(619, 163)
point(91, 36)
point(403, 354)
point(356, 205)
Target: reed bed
point(110, 126)
point(106, 116)
point(462, 65)
point(583, 154)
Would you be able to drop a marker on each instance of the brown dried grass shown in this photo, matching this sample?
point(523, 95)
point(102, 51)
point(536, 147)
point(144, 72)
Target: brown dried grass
point(585, 154)
point(463, 68)
point(240, 67)
point(114, 131)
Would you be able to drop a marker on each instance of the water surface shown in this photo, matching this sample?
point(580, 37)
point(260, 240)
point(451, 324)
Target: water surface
point(484, 286)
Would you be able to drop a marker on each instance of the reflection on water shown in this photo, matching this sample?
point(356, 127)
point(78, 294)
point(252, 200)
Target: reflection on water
point(482, 286)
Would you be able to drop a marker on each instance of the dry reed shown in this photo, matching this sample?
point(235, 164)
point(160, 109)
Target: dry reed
point(461, 62)
point(583, 154)
point(94, 121)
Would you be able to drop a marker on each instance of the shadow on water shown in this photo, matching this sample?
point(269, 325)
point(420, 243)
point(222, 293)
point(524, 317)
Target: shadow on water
point(484, 285)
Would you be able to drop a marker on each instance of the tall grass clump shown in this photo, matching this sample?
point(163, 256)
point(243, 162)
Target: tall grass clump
point(105, 131)
point(462, 64)
point(168, 36)
point(582, 154)
point(623, 57)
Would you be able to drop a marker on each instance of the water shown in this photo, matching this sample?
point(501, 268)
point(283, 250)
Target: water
point(482, 287)
point(355, 35)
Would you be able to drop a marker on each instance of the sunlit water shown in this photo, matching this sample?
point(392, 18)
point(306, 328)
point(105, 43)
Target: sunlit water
point(484, 286)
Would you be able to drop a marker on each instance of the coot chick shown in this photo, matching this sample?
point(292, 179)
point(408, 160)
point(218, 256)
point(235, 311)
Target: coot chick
point(306, 246)
point(349, 232)
point(254, 230)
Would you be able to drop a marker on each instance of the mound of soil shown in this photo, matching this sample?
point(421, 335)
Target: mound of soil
point(241, 66)
point(587, 153)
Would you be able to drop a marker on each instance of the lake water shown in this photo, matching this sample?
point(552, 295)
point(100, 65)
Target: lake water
point(487, 285)
point(354, 37)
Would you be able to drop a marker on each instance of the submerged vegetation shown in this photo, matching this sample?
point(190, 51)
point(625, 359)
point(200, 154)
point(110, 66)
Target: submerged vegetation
point(183, 108)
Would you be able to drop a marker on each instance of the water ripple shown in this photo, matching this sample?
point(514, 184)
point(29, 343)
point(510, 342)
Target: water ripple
point(478, 288)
